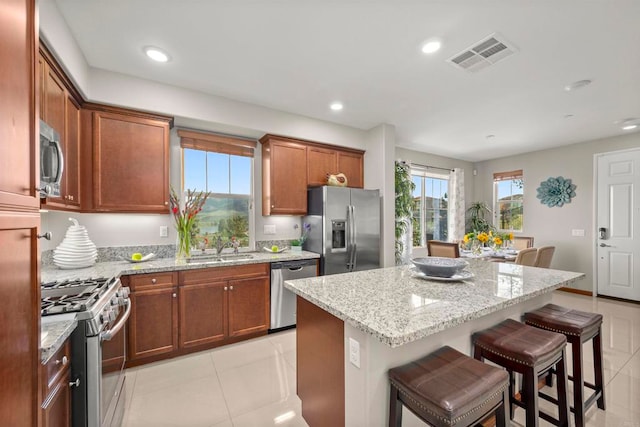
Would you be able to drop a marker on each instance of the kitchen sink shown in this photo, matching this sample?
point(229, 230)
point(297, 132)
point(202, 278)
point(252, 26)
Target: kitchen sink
point(219, 258)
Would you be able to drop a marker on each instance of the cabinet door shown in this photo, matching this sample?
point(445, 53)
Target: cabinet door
point(288, 183)
point(18, 109)
point(20, 331)
point(248, 306)
point(203, 313)
point(351, 164)
point(56, 410)
point(71, 191)
point(320, 162)
point(153, 324)
point(130, 163)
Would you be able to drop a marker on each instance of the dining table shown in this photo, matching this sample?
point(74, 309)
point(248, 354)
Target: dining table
point(491, 254)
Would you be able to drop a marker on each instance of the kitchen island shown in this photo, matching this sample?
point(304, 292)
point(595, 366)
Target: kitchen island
point(383, 318)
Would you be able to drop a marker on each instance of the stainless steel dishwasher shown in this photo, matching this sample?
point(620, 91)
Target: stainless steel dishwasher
point(283, 301)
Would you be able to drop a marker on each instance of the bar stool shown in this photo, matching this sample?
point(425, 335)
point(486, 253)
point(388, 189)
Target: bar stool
point(448, 389)
point(531, 352)
point(579, 327)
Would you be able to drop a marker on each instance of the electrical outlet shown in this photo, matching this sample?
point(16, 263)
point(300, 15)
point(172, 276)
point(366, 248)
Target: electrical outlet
point(269, 229)
point(354, 352)
point(164, 231)
point(577, 232)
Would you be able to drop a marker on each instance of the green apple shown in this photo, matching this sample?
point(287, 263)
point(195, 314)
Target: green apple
point(274, 248)
point(136, 257)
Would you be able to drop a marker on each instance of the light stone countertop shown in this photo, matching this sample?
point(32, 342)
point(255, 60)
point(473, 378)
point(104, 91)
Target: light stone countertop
point(122, 268)
point(54, 333)
point(397, 306)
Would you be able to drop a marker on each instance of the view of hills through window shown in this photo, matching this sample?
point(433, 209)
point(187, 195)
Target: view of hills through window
point(226, 211)
point(509, 195)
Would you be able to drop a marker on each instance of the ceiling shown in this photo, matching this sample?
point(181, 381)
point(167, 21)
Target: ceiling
point(300, 55)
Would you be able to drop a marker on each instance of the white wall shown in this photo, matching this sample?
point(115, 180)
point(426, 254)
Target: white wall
point(552, 226)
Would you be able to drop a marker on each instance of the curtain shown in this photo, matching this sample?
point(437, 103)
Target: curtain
point(456, 221)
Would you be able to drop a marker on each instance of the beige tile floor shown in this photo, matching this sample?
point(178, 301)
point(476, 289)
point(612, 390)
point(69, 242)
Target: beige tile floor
point(253, 383)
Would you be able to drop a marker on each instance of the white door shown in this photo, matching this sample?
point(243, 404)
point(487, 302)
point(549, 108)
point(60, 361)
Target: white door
point(618, 224)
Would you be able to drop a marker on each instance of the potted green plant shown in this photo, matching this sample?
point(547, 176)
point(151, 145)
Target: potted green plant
point(477, 220)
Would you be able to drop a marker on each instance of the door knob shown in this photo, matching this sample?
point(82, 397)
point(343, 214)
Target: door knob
point(75, 383)
point(46, 235)
point(604, 245)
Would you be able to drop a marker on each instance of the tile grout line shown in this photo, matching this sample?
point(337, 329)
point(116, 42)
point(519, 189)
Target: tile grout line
point(224, 397)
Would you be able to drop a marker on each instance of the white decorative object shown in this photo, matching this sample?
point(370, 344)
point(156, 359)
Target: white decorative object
point(456, 222)
point(76, 249)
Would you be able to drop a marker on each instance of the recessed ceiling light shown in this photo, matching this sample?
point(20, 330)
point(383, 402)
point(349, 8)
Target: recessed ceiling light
point(156, 54)
point(336, 106)
point(629, 127)
point(431, 46)
point(628, 124)
point(577, 85)
point(490, 136)
point(568, 116)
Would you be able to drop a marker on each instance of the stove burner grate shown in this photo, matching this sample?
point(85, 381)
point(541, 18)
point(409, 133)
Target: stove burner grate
point(71, 296)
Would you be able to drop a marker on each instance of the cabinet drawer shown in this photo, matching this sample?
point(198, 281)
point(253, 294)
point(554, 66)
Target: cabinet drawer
point(217, 274)
point(56, 367)
point(152, 281)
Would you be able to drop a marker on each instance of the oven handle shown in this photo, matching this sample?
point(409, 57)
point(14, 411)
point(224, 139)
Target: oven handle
point(107, 335)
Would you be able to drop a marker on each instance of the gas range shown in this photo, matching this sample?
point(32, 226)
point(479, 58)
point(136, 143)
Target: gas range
point(102, 307)
point(98, 299)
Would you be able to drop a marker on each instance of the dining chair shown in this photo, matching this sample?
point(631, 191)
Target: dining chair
point(443, 249)
point(522, 242)
point(544, 256)
point(527, 257)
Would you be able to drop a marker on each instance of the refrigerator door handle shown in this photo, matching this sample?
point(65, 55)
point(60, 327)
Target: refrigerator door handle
point(354, 234)
point(348, 238)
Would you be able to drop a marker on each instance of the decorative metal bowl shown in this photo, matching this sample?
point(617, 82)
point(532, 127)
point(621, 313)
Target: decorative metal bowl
point(439, 267)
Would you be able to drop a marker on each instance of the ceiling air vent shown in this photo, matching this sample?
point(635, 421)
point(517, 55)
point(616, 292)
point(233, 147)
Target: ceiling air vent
point(487, 52)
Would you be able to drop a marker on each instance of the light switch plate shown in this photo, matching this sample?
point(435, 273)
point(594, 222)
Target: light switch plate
point(269, 229)
point(164, 231)
point(577, 232)
point(354, 352)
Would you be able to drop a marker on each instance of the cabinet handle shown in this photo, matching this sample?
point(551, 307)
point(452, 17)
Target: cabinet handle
point(75, 383)
point(166, 203)
point(71, 198)
point(153, 281)
point(63, 361)
point(174, 295)
point(231, 287)
point(46, 235)
point(225, 288)
point(273, 206)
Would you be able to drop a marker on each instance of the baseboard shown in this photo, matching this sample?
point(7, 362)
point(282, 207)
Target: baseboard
point(577, 291)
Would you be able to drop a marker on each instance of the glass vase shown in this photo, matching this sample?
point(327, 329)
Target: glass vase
point(183, 246)
point(476, 248)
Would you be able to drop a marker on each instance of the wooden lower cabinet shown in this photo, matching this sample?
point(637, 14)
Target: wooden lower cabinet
point(153, 323)
point(56, 410)
point(56, 391)
point(248, 306)
point(200, 309)
point(203, 313)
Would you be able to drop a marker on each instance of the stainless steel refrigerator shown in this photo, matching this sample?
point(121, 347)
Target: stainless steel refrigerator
point(345, 228)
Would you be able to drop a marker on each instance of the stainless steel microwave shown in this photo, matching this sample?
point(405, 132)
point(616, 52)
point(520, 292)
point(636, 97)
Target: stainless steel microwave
point(51, 161)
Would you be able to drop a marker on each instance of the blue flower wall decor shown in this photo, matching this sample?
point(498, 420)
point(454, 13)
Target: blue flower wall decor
point(556, 191)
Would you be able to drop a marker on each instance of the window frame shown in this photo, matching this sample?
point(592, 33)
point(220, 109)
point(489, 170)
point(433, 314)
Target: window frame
point(501, 177)
point(424, 175)
point(250, 197)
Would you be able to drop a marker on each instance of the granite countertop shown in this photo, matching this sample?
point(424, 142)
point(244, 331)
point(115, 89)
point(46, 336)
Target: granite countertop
point(121, 268)
point(398, 307)
point(54, 333)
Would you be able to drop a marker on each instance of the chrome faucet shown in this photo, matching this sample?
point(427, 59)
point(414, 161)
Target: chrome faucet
point(221, 245)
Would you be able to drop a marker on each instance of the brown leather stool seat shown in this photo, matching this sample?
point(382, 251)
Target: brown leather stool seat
point(448, 388)
point(578, 327)
point(531, 352)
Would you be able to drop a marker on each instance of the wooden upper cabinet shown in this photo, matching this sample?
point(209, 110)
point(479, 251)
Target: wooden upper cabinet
point(320, 161)
point(284, 177)
point(130, 163)
point(60, 109)
point(291, 165)
point(352, 165)
point(18, 108)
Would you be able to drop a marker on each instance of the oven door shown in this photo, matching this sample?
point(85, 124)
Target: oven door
point(113, 353)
